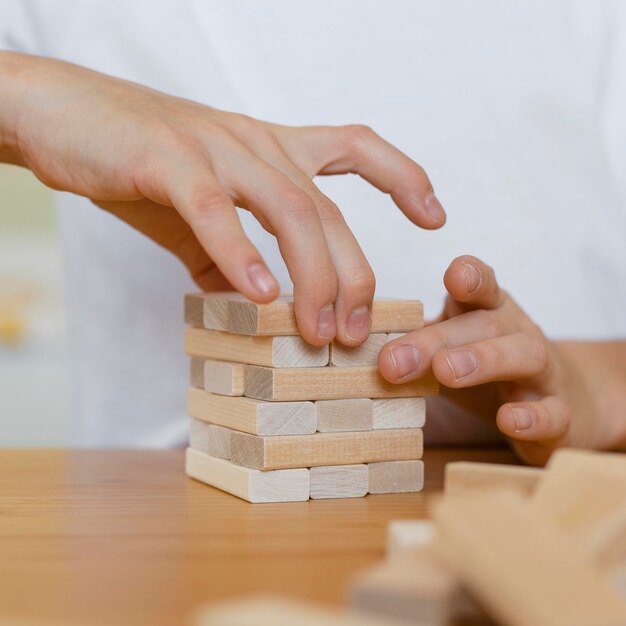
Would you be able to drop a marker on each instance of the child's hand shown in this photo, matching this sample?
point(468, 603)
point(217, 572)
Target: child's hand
point(542, 394)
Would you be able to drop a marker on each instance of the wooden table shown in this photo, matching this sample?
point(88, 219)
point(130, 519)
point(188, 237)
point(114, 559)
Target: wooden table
point(125, 538)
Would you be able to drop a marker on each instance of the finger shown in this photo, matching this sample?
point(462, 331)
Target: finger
point(473, 283)
point(211, 214)
point(292, 215)
point(359, 150)
point(543, 420)
point(410, 356)
point(356, 281)
point(520, 356)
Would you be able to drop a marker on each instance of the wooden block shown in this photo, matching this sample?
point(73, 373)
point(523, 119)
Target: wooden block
point(196, 372)
point(223, 377)
point(463, 477)
point(291, 485)
point(344, 415)
point(585, 494)
point(365, 354)
point(209, 310)
point(339, 481)
point(416, 589)
point(209, 438)
point(399, 413)
point(269, 351)
point(253, 416)
point(394, 336)
point(329, 383)
point(278, 318)
point(276, 611)
point(268, 453)
point(519, 566)
point(407, 536)
point(396, 476)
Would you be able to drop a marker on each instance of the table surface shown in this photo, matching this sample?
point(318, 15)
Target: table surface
point(124, 537)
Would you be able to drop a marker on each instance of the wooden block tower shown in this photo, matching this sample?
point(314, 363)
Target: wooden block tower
point(275, 419)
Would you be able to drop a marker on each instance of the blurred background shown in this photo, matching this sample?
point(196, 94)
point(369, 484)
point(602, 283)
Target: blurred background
point(33, 364)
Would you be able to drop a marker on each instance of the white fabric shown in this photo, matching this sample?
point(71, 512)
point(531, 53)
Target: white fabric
point(515, 109)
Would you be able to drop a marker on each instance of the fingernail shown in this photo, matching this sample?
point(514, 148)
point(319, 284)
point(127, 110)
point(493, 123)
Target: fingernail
point(434, 208)
point(405, 360)
point(462, 362)
point(326, 322)
point(261, 278)
point(524, 418)
point(473, 277)
point(358, 325)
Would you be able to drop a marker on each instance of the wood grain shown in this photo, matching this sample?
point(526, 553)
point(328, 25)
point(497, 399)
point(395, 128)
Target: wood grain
point(73, 517)
point(280, 486)
point(396, 476)
point(466, 478)
point(209, 310)
point(266, 453)
point(365, 354)
point(329, 383)
point(209, 438)
point(519, 566)
point(344, 415)
point(223, 377)
point(253, 416)
point(269, 351)
point(278, 318)
point(399, 413)
point(339, 481)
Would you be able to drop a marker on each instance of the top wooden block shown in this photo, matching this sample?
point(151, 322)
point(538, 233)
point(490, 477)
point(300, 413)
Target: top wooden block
point(236, 314)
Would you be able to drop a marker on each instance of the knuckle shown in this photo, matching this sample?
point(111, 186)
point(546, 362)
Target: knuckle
point(328, 210)
point(359, 279)
point(299, 205)
point(490, 323)
point(538, 348)
point(356, 134)
point(207, 203)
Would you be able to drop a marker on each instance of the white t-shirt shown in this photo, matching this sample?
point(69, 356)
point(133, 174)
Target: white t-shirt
point(516, 110)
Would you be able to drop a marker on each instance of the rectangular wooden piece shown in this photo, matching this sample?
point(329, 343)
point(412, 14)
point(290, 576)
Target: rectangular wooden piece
point(519, 566)
point(365, 354)
point(339, 481)
point(396, 476)
point(266, 453)
point(209, 438)
point(291, 485)
point(268, 351)
point(399, 413)
point(253, 416)
point(329, 383)
point(344, 415)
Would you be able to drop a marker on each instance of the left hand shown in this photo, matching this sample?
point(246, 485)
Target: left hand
point(495, 362)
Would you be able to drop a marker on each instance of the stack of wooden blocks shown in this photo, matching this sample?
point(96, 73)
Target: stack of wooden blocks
point(275, 419)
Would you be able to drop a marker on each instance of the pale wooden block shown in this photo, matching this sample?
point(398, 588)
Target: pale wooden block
point(209, 310)
point(365, 354)
point(278, 318)
point(223, 377)
point(584, 492)
point(269, 351)
point(344, 415)
point(407, 536)
point(209, 438)
point(253, 416)
point(394, 336)
point(329, 383)
point(396, 476)
point(326, 448)
point(277, 611)
point(416, 588)
point(399, 413)
point(196, 372)
point(463, 478)
point(520, 566)
point(290, 485)
point(339, 481)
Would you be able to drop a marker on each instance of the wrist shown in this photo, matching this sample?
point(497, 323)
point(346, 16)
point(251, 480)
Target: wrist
point(14, 71)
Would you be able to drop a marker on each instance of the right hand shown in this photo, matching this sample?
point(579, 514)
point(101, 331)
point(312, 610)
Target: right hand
point(176, 169)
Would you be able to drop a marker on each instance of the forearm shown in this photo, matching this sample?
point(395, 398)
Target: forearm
point(601, 377)
point(14, 71)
